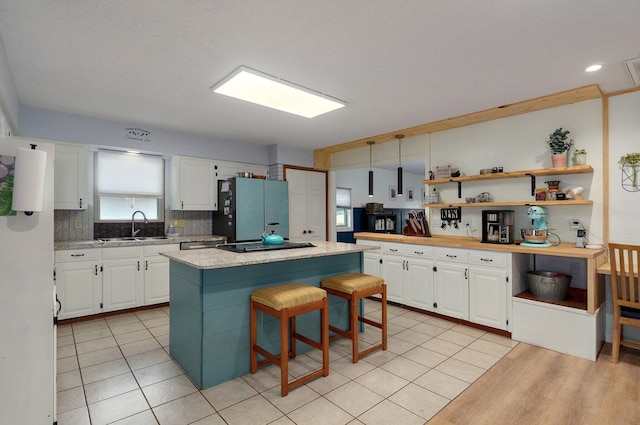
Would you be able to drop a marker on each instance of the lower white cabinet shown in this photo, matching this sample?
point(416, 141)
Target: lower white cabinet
point(408, 272)
point(489, 289)
point(451, 294)
point(467, 284)
point(78, 282)
point(122, 278)
point(156, 273)
point(91, 281)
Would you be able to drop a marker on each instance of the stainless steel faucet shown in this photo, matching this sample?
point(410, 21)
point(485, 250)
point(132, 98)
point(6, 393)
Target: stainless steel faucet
point(133, 229)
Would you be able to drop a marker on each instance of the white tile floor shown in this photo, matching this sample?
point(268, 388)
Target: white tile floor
point(117, 370)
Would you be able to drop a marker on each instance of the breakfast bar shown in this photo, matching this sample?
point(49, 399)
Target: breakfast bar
point(210, 290)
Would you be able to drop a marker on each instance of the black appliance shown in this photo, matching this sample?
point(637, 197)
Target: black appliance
point(259, 246)
point(497, 226)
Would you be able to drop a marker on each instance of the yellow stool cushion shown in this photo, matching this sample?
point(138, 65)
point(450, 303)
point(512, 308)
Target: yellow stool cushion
point(288, 295)
point(350, 282)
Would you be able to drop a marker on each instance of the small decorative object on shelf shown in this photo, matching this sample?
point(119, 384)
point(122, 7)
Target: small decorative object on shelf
point(580, 157)
point(630, 163)
point(443, 171)
point(559, 146)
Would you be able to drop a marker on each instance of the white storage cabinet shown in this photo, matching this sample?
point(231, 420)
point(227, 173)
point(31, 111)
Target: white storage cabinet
point(71, 164)
point(194, 184)
point(78, 282)
point(451, 294)
point(489, 289)
point(156, 273)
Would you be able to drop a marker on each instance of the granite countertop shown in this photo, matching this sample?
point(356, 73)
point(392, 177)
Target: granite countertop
point(94, 243)
point(214, 258)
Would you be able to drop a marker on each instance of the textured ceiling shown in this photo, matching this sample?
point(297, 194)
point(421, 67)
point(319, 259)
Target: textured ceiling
point(396, 63)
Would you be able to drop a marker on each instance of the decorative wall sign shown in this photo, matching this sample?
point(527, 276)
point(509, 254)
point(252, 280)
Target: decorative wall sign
point(138, 134)
point(393, 193)
point(7, 166)
point(410, 194)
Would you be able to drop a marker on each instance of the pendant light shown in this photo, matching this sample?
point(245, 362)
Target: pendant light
point(400, 137)
point(370, 143)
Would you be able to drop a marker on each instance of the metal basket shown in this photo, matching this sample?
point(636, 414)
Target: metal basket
point(374, 208)
point(550, 286)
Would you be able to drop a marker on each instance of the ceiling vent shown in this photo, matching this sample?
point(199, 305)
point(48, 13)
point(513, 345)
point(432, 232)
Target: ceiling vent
point(633, 67)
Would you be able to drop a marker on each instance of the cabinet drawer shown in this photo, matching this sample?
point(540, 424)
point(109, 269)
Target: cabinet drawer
point(392, 248)
point(68, 255)
point(122, 252)
point(418, 251)
point(157, 249)
point(488, 258)
point(452, 255)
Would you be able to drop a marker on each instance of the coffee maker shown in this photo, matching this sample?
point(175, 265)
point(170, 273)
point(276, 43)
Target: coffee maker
point(497, 226)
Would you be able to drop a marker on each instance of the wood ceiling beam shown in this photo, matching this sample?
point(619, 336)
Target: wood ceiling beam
point(322, 157)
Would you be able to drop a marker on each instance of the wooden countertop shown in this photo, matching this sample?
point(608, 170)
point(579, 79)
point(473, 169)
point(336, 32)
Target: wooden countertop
point(217, 258)
point(562, 250)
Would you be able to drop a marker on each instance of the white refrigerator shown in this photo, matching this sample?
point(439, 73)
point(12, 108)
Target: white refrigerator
point(27, 330)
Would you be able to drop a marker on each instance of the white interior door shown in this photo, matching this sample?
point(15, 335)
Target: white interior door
point(316, 206)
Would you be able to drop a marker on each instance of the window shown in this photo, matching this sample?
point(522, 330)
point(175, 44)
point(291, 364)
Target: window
point(128, 182)
point(344, 215)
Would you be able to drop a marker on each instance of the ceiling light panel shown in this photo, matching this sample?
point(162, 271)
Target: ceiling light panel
point(263, 89)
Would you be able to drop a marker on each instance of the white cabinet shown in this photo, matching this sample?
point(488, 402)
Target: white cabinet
point(489, 289)
point(78, 282)
point(307, 205)
point(194, 184)
point(122, 278)
point(71, 163)
point(91, 281)
point(451, 295)
point(156, 273)
point(408, 273)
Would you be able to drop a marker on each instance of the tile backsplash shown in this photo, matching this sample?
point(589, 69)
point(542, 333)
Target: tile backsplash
point(78, 225)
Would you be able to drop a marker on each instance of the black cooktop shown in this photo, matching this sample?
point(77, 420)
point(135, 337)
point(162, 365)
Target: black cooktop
point(259, 246)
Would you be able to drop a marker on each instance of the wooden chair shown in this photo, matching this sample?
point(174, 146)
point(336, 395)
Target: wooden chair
point(353, 287)
point(626, 293)
point(285, 302)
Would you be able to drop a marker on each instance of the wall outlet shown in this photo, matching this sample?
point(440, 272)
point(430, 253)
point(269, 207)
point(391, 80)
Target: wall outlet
point(466, 222)
point(77, 223)
point(179, 222)
point(575, 223)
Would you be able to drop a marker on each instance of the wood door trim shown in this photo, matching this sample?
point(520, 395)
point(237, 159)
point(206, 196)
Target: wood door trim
point(286, 167)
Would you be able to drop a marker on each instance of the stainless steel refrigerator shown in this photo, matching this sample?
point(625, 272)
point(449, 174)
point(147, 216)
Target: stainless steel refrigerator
point(247, 206)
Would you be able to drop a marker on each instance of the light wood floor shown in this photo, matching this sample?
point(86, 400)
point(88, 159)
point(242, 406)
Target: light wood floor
point(532, 385)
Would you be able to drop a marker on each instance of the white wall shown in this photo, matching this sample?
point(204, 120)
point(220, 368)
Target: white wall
point(27, 355)
point(9, 102)
point(518, 143)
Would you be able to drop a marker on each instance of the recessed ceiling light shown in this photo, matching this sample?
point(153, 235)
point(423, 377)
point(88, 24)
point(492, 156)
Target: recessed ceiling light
point(593, 68)
point(263, 89)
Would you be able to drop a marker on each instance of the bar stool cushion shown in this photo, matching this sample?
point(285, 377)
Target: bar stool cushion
point(288, 295)
point(350, 282)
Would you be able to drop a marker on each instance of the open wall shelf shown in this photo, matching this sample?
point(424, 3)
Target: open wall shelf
point(510, 203)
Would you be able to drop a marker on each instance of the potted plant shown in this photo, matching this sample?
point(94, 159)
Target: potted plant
point(631, 160)
point(559, 146)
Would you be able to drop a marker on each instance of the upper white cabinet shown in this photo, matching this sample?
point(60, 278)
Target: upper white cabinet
point(71, 176)
point(194, 184)
point(307, 205)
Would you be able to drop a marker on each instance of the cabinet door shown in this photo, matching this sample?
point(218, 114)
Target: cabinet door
point(79, 289)
point(70, 177)
point(122, 284)
point(307, 205)
point(451, 293)
point(420, 283)
point(196, 187)
point(156, 280)
point(393, 273)
point(371, 265)
point(488, 297)
point(316, 206)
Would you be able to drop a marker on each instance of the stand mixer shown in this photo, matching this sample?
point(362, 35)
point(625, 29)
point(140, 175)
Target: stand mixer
point(536, 236)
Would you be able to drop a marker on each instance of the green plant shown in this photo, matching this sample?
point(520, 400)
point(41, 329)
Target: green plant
point(558, 142)
point(630, 158)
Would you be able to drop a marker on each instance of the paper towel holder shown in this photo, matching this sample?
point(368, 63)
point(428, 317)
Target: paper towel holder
point(29, 180)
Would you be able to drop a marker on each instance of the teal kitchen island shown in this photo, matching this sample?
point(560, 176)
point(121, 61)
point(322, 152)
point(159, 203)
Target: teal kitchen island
point(209, 303)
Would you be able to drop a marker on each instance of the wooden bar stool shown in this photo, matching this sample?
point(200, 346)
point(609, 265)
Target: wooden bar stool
point(352, 287)
point(286, 302)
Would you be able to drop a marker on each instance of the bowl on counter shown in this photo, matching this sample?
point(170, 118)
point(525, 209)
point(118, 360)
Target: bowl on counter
point(534, 235)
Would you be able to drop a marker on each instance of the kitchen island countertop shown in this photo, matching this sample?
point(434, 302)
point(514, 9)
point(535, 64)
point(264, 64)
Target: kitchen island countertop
point(214, 258)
